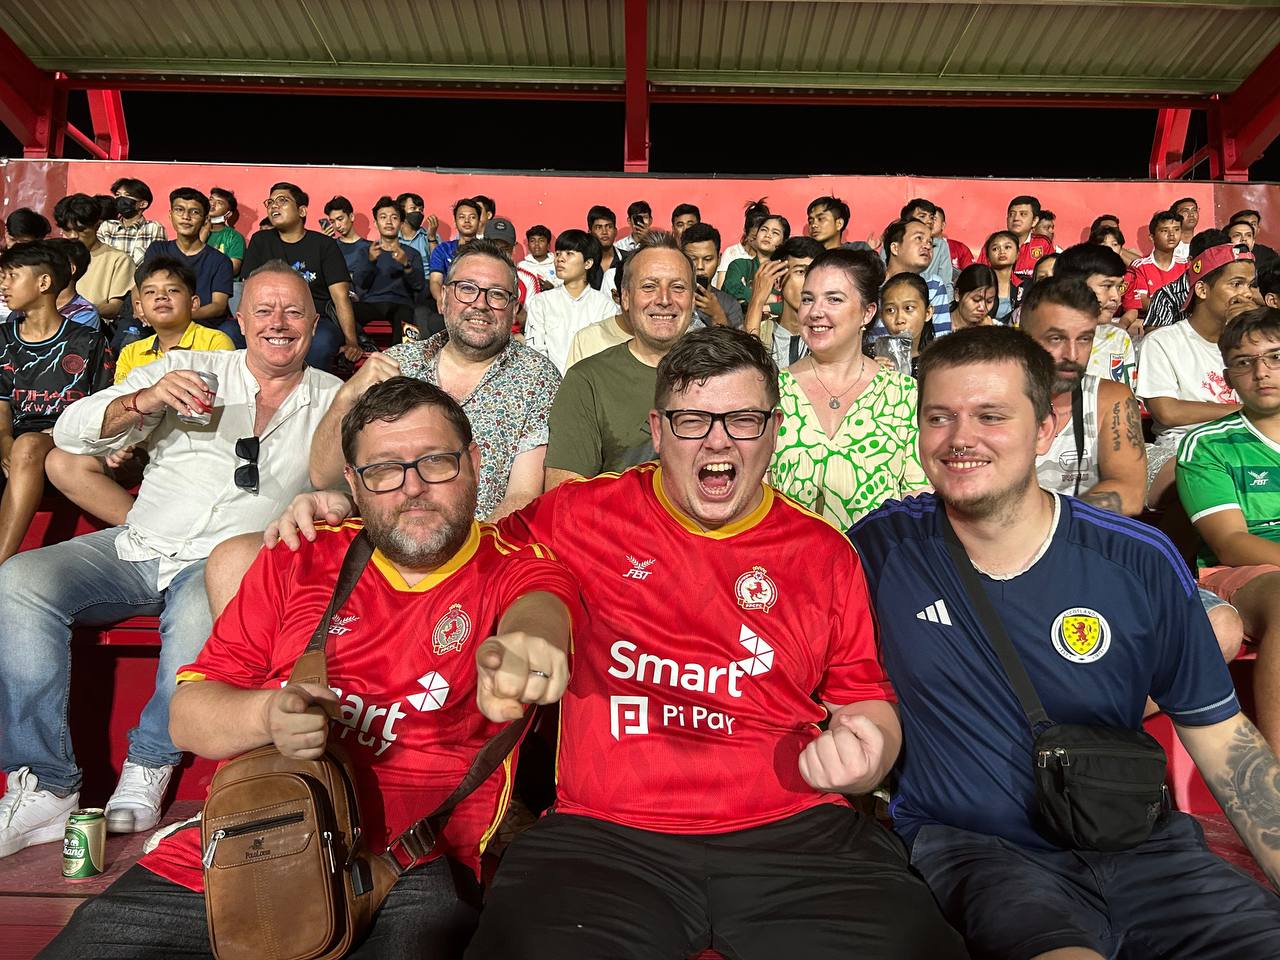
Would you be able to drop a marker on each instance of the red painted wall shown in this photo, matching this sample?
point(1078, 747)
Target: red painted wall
point(974, 207)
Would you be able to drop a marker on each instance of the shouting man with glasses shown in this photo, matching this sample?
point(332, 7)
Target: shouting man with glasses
point(698, 803)
point(1228, 475)
point(198, 490)
point(504, 387)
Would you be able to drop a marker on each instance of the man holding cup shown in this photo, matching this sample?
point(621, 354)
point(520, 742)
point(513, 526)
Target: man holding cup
point(209, 479)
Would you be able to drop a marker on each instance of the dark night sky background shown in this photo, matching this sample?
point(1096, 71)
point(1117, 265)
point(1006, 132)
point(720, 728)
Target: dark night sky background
point(690, 139)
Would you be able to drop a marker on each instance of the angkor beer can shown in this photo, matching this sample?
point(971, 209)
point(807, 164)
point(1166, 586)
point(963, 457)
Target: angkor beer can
point(201, 418)
point(85, 845)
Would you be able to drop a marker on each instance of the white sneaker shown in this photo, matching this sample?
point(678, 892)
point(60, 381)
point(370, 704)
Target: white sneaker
point(135, 804)
point(29, 815)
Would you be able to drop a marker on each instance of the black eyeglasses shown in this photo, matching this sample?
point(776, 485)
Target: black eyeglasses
point(468, 292)
point(246, 477)
point(738, 424)
point(389, 475)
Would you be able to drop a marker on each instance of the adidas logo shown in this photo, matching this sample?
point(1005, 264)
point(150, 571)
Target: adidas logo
point(935, 612)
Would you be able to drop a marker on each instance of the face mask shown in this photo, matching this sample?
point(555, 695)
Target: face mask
point(414, 219)
point(126, 207)
point(217, 219)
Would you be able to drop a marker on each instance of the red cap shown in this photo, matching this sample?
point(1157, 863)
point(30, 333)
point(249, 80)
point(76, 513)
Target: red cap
point(1209, 261)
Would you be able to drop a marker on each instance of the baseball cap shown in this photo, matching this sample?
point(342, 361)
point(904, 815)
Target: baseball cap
point(1209, 261)
point(500, 228)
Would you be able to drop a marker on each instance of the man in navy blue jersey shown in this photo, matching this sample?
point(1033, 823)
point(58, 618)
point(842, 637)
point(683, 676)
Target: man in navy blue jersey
point(1103, 613)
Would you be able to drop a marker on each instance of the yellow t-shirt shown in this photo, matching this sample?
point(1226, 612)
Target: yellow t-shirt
point(195, 337)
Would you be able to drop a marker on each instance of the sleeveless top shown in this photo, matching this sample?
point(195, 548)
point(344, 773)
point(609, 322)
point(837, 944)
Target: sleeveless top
point(1057, 470)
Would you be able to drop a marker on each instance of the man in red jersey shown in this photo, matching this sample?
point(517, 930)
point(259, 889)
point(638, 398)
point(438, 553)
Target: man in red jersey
point(1023, 220)
point(1162, 266)
point(401, 665)
point(699, 802)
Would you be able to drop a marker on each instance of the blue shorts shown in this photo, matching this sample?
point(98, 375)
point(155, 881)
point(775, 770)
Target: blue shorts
point(1167, 898)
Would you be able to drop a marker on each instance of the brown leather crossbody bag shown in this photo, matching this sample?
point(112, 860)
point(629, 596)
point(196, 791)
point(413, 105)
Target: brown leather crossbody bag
point(288, 874)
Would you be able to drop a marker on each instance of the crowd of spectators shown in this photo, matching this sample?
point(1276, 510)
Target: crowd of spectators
point(1164, 400)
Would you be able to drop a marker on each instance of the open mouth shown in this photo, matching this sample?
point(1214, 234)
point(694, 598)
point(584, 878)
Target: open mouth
point(280, 340)
point(717, 480)
point(964, 464)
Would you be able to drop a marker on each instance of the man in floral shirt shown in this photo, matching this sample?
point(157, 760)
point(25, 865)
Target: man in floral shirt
point(505, 387)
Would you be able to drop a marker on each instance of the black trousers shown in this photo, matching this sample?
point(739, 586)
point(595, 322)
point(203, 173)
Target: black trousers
point(822, 885)
point(429, 915)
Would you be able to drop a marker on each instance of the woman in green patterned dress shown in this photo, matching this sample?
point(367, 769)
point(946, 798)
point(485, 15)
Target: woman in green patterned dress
point(848, 437)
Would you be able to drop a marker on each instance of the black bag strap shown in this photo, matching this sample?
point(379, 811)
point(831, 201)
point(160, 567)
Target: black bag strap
point(1077, 427)
point(993, 627)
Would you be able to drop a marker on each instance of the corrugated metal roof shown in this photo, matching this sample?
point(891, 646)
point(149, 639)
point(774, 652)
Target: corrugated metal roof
point(1083, 46)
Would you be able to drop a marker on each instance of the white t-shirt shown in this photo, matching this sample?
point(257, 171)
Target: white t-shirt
point(736, 252)
point(546, 269)
point(1177, 362)
point(554, 317)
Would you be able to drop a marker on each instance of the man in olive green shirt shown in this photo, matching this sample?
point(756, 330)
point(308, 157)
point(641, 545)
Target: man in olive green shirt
point(600, 417)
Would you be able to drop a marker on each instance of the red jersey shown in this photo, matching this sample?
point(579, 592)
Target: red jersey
point(961, 255)
point(1031, 252)
point(1146, 277)
point(691, 698)
point(402, 663)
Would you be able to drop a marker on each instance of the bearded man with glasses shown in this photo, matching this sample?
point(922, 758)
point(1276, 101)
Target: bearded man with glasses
point(505, 387)
point(223, 462)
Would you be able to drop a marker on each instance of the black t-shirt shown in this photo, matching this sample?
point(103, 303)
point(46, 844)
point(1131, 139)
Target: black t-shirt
point(315, 257)
point(39, 380)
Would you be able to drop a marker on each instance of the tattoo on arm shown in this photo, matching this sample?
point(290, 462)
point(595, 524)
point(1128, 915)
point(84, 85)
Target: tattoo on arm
point(1133, 423)
point(1103, 500)
point(1115, 428)
point(1249, 791)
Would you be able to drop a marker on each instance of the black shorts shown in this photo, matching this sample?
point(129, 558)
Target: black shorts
point(821, 885)
point(1170, 897)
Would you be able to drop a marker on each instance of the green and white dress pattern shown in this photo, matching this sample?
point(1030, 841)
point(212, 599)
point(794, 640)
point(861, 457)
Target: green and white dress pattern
point(872, 458)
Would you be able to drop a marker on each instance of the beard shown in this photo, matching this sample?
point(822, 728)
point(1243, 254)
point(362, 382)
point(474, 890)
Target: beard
point(477, 344)
point(1063, 383)
point(427, 544)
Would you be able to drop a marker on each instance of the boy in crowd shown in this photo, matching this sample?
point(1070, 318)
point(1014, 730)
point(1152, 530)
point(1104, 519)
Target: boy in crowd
point(219, 230)
point(466, 221)
point(538, 259)
point(189, 212)
point(167, 298)
point(603, 225)
point(554, 317)
point(413, 233)
point(1023, 220)
point(712, 307)
point(1148, 274)
point(130, 231)
point(784, 275)
point(1228, 475)
point(109, 277)
point(1113, 356)
point(389, 290)
point(684, 216)
point(46, 363)
point(70, 304)
point(355, 248)
point(1189, 211)
point(640, 218)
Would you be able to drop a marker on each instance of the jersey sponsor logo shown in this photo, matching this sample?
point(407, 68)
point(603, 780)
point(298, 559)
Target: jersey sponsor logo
point(936, 612)
point(452, 631)
point(639, 568)
point(628, 716)
point(435, 691)
point(373, 726)
point(755, 590)
point(338, 624)
point(1081, 635)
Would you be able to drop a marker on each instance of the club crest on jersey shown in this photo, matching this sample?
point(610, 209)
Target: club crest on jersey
point(452, 631)
point(755, 590)
point(1081, 635)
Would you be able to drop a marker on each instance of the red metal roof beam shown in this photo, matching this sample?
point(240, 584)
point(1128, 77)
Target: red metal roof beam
point(26, 99)
point(1249, 119)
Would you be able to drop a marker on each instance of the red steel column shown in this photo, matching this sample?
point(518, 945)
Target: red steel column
point(106, 107)
point(1170, 141)
point(635, 156)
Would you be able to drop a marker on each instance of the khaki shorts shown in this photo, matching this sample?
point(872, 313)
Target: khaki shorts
point(1225, 581)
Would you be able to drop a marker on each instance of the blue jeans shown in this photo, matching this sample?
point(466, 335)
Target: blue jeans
point(325, 344)
point(81, 582)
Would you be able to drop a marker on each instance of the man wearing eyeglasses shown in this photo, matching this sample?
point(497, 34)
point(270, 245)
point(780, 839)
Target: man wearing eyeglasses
point(205, 482)
point(317, 259)
point(439, 593)
point(504, 386)
point(1228, 475)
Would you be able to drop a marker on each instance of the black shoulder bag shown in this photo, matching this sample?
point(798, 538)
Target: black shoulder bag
point(1077, 428)
point(1097, 788)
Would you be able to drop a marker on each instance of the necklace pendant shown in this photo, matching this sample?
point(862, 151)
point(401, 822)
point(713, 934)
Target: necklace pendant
point(834, 404)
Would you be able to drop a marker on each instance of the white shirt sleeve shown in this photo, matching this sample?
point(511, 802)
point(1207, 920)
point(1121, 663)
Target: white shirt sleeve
point(1157, 372)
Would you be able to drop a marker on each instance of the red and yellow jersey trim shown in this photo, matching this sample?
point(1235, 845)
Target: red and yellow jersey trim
point(506, 547)
point(753, 519)
point(504, 799)
point(436, 577)
point(190, 676)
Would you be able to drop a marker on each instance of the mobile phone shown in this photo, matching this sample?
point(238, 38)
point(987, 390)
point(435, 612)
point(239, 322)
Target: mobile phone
point(325, 224)
point(703, 282)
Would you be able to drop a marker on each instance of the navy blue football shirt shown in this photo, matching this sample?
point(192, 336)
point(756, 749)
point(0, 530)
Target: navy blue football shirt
point(1107, 615)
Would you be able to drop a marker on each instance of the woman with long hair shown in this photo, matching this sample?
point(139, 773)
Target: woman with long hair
point(1001, 249)
point(771, 232)
point(975, 297)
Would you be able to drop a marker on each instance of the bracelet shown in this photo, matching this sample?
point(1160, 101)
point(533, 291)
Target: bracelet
point(133, 407)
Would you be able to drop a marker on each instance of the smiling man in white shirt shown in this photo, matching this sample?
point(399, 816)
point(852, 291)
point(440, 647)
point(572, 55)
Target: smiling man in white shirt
point(205, 483)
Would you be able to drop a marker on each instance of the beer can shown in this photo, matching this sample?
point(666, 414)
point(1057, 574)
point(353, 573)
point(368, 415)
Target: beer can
point(84, 846)
point(201, 418)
